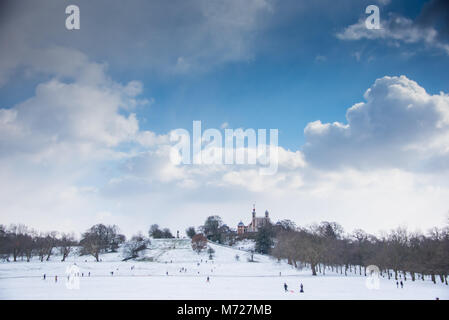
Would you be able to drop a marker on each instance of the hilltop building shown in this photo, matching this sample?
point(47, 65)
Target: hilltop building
point(255, 224)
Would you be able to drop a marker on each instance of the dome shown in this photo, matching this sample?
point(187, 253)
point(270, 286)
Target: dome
point(241, 224)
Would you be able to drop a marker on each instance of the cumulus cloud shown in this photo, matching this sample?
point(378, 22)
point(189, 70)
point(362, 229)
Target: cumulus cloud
point(399, 125)
point(78, 111)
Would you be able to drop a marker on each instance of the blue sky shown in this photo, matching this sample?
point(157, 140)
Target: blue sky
point(259, 64)
point(283, 83)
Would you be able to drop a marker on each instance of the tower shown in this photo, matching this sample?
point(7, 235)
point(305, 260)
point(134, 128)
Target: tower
point(253, 224)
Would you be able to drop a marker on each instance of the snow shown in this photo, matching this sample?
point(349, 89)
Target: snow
point(229, 278)
point(245, 244)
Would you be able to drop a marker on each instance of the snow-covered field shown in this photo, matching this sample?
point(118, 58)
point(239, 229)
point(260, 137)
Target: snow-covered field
point(229, 278)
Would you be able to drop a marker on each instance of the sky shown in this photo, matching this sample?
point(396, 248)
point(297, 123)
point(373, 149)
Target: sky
point(86, 115)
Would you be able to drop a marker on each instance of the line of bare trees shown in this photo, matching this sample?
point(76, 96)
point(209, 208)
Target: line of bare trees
point(398, 253)
point(20, 242)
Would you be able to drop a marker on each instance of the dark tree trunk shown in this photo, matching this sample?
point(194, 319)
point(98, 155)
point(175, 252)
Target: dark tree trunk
point(313, 266)
point(49, 254)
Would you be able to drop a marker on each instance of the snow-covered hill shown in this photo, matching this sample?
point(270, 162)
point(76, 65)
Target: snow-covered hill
point(170, 269)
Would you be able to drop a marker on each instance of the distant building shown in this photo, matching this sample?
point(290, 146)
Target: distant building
point(255, 224)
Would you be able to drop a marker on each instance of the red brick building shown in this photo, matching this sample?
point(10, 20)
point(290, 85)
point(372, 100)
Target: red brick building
point(255, 224)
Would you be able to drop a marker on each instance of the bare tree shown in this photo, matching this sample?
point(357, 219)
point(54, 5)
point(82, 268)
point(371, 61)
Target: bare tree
point(66, 244)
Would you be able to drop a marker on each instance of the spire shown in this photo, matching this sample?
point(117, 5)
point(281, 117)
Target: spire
point(254, 210)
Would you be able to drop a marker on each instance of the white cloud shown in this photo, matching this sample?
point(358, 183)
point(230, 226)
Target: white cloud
point(74, 114)
point(396, 30)
point(399, 126)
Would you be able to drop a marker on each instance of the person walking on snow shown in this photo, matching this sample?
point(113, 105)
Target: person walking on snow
point(301, 290)
point(285, 287)
point(402, 285)
point(207, 278)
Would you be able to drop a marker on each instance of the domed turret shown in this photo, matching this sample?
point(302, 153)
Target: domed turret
point(240, 228)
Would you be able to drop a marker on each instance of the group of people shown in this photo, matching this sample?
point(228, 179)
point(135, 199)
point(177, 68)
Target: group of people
point(301, 288)
point(44, 277)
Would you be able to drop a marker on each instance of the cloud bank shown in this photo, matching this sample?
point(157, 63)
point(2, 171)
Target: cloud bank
point(74, 154)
